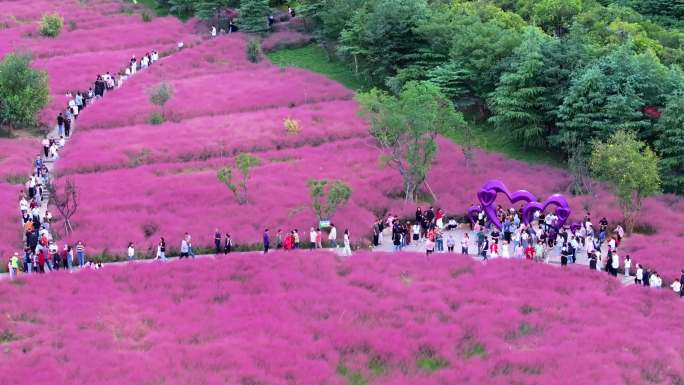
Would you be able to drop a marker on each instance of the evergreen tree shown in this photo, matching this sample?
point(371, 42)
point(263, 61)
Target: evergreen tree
point(610, 94)
point(518, 103)
point(254, 16)
point(671, 145)
point(208, 9)
point(380, 37)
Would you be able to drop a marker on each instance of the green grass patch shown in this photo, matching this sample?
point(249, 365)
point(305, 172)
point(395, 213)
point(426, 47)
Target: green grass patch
point(154, 6)
point(7, 336)
point(315, 59)
point(352, 377)
point(377, 366)
point(486, 137)
point(429, 361)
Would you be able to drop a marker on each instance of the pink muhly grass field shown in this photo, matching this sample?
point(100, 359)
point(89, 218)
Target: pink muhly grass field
point(175, 198)
point(211, 136)
point(17, 156)
point(310, 318)
point(216, 94)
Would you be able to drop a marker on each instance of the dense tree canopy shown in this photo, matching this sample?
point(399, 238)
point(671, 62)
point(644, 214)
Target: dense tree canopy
point(23, 91)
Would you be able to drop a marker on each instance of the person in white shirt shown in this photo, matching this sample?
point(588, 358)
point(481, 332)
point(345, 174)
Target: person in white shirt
point(505, 252)
point(23, 206)
point(639, 277)
point(615, 263)
point(676, 286)
point(628, 265)
point(213, 31)
point(332, 236)
point(155, 56)
point(312, 238)
point(347, 244)
point(653, 280)
point(131, 251)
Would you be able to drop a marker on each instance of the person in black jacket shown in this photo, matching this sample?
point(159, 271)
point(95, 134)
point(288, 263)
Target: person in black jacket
point(681, 281)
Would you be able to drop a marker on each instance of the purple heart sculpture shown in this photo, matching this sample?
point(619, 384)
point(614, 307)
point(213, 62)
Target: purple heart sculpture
point(487, 196)
point(562, 209)
point(574, 227)
point(473, 211)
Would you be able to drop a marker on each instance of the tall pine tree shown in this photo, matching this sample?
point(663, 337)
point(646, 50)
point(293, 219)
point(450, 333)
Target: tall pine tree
point(254, 16)
point(670, 145)
point(518, 102)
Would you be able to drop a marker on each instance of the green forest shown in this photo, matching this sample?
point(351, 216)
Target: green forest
point(550, 75)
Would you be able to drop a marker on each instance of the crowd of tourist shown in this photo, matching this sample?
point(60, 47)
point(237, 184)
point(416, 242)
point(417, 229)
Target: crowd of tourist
point(41, 251)
point(539, 241)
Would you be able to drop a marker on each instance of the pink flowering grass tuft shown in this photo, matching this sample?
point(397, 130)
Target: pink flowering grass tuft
point(309, 318)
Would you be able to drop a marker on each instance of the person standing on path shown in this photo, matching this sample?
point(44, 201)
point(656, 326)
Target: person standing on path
point(347, 244)
point(267, 241)
point(60, 124)
point(131, 251)
point(188, 239)
point(161, 249)
point(80, 253)
point(217, 241)
point(228, 247)
point(332, 237)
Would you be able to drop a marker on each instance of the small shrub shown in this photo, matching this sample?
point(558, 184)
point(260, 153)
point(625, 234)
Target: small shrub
point(644, 228)
point(160, 94)
point(146, 16)
point(51, 25)
point(16, 179)
point(149, 229)
point(254, 51)
point(156, 118)
point(72, 25)
point(292, 126)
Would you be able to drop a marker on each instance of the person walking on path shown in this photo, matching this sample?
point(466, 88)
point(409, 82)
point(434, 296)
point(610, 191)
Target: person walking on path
point(347, 244)
point(228, 247)
point(267, 241)
point(161, 249)
point(184, 248)
point(13, 265)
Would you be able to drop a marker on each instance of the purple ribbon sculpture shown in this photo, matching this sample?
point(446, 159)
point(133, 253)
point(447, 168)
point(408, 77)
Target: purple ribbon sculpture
point(487, 196)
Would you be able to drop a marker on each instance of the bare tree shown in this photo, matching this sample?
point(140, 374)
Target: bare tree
point(66, 202)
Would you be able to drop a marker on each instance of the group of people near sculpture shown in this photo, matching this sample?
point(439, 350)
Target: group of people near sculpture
point(541, 240)
point(41, 252)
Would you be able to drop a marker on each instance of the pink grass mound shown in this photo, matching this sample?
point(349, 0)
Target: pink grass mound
point(215, 94)
point(212, 136)
point(309, 318)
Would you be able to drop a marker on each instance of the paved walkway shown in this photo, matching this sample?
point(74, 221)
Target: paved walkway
point(386, 245)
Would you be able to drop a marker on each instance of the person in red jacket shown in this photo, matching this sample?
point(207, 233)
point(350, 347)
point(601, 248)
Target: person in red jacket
point(529, 252)
point(41, 261)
